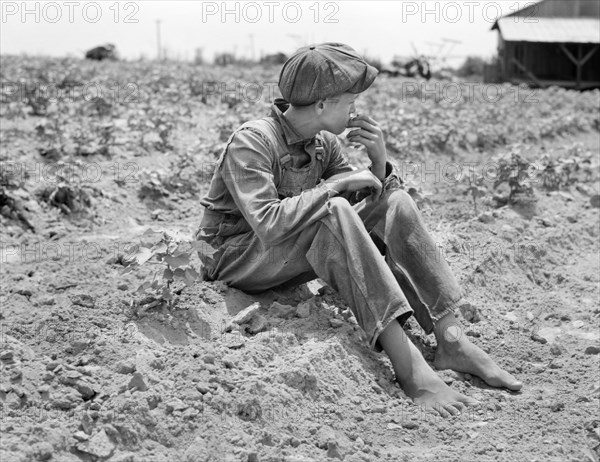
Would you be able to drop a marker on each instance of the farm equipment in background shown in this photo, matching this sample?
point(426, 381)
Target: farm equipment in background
point(420, 65)
point(102, 52)
point(412, 67)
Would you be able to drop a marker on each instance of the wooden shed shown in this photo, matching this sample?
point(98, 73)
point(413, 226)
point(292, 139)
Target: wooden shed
point(553, 42)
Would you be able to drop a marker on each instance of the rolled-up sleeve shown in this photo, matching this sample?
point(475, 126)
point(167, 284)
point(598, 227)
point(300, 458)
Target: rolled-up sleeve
point(247, 170)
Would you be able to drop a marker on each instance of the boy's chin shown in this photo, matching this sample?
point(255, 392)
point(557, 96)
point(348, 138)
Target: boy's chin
point(337, 130)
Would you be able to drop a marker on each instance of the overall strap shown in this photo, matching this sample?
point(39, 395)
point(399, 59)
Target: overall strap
point(270, 125)
point(284, 157)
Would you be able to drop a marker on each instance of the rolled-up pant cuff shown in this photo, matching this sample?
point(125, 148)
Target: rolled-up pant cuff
point(401, 315)
point(451, 308)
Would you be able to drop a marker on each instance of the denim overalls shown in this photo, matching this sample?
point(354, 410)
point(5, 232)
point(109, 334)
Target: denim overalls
point(375, 253)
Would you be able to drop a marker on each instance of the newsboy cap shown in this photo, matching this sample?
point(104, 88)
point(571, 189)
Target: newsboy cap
point(324, 70)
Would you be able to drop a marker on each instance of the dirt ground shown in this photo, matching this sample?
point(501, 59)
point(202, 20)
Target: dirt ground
point(87, 377)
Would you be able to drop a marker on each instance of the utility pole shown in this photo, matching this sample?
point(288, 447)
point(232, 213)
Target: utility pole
point(158, 46)
point(251, 36)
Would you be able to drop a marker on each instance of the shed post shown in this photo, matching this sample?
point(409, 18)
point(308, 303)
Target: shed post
point(579, 65)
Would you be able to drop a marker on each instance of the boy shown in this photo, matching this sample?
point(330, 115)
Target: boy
point(275, 214)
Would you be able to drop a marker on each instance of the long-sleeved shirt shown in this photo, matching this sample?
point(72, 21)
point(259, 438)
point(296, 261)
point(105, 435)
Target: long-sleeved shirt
point(271, 180)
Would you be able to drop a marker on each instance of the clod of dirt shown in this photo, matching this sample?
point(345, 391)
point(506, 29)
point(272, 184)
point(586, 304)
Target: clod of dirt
point(13, 401)
point(336, 323)
point(486, 217)
point(245, 316)
point(203, 387)
point(99, 445)
point(66, 401)
point(42, 451)
point(538, 338)
point(282, 311)
point(85, 389)
point(258, 324)
point(303, 310)
point(81, 436)
point(556, 349)
point(333, 451)
point(410, 425)
point(176, 405)
point(6, 355)
point(470, 313)
point(558, 406)
point(595, 201)
point(137, 382)
point(24, 292)
point(85, 300)
point(592, 350)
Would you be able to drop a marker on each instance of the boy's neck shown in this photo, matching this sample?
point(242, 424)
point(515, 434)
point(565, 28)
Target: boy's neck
point(304, 121)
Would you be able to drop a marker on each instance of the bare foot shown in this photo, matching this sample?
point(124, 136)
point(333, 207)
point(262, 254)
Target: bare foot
point(426, 388)
point(456, 352)
point(416, 378)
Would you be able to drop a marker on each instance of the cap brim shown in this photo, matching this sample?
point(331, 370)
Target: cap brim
point(364, 81)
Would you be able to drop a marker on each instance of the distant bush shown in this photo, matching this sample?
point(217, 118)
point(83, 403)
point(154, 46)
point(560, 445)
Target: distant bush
point(473, 66)
point(198, 56)
point(224, 59)
point(275, 58)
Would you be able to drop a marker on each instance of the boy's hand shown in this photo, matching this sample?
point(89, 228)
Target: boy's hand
point(355, 181)
point(370, 135)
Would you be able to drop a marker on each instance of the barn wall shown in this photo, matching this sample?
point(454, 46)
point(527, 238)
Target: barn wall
point(591, 70)
point(547, 62)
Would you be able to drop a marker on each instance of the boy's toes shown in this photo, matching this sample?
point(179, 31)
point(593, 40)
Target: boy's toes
point(453, 409)
point(514, 385)
point(442, 409)
point(504, 379)
point(468, 401)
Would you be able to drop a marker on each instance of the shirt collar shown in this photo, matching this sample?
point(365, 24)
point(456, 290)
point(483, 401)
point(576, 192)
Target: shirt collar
point(290, 134)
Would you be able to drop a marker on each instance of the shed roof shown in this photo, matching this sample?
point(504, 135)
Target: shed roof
point(550, 30)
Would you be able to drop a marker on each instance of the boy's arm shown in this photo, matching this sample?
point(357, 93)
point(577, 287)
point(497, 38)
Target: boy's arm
point(247, 170)
point(339, 167)
point(337, 160)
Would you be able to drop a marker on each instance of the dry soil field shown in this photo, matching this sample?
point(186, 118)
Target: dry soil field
point(113, 349)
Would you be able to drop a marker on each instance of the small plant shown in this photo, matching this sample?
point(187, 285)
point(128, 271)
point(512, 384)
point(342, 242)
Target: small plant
point(418, 194)
point(563, 172)
point(163, 126)
point(101, 107)
point(172, 257)
point(52, 134)
point(67, 191)
point(12, 208)
point(37, 102)
point(476, 188)
point(517, 172)
point(153, 189)
point(70, 198)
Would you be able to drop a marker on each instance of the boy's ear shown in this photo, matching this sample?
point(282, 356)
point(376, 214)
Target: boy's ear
point(320, 104)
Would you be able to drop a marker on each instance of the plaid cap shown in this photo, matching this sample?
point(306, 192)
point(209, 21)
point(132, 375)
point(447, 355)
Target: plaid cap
point(324, 70)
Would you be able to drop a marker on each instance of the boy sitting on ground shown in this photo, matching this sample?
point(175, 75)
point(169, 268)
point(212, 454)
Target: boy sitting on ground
point(284, 206)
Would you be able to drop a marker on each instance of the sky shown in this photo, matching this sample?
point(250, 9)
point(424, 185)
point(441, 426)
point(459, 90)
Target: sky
point(448, 30)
